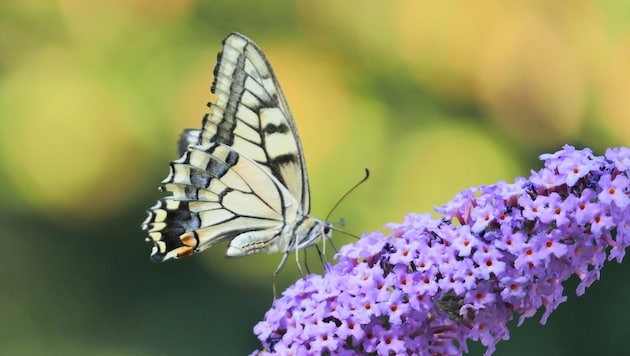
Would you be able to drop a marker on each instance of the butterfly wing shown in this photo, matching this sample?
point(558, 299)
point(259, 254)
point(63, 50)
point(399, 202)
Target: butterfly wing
point(242, 177)
point(252, 116)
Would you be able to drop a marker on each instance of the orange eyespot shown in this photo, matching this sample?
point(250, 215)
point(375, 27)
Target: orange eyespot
point(189, 239)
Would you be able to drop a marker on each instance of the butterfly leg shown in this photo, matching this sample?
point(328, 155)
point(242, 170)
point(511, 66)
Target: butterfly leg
point(308, 270)
point(333, 246)
point(277, 271)
point(322, 256)
point(297, 261)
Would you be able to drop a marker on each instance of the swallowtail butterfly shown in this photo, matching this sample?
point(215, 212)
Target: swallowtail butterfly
point(242, 177)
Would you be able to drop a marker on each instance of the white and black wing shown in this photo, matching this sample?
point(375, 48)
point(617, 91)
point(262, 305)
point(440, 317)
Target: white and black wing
point(242, 177)
point(252, 116)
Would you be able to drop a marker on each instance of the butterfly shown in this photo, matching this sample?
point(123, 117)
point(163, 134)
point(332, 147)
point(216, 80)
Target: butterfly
point(242, 177)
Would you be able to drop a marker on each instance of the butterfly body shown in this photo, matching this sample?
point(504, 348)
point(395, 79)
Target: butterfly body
point(241, 178)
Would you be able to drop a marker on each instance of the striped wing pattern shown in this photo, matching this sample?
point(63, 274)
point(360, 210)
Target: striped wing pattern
point(242, 177)
point(252, 115)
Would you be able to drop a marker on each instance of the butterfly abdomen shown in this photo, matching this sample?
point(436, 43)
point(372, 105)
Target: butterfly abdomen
point(300, 233)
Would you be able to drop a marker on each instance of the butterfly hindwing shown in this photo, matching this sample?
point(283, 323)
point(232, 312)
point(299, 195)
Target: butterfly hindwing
point(217, 194)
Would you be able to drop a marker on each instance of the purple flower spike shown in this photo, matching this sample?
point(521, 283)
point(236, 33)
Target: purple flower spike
point(431, 285)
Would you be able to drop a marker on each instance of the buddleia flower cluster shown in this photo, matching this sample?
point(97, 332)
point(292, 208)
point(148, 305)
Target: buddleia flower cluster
point(431, 285)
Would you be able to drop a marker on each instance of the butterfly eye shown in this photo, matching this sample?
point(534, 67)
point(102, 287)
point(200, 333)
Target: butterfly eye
point(327, 229)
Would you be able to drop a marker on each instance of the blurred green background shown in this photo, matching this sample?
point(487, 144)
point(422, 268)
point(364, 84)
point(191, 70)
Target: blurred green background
point(433, 97)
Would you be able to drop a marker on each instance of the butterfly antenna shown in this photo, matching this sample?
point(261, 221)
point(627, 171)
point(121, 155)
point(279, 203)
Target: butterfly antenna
point(367, 175)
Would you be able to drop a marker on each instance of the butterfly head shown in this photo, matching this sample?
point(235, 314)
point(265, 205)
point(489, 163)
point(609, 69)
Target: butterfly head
point(311, 231)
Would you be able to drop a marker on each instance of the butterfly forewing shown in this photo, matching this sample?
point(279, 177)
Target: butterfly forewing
point(242, 177)
point(252, 115)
